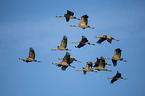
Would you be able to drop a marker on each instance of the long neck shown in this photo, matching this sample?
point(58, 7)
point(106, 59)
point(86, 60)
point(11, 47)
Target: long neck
point(21, 59)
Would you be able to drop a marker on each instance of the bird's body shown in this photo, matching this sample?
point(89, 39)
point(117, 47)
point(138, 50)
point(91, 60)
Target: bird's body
point(67, 60)
point(68, 16)
point(63, 45)
point(100, 64)
point(116, 77)
point(71, 59)
point(116, 57)
point(31, 56)
point(105, 37)
point(83, 42)
point(83, 23)
point(87, 68)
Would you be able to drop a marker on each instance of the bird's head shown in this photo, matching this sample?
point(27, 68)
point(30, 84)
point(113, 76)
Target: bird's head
point(96, 37)
point(72, 25)
point(20, 58)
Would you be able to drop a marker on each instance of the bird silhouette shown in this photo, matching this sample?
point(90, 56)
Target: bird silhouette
point(83, 23)
point(31, 56)
point(68, 16)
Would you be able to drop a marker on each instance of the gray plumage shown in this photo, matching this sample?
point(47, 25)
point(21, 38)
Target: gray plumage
point(69, 15)
point(116, 57)
point(105, 37)
point(63, 45)
point(83, 42)
point(67, 60)
point(83, 23)
point(31, 56)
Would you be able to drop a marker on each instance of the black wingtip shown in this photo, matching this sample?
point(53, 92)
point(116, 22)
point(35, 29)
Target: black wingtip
point(64, 37)
point(31, 49)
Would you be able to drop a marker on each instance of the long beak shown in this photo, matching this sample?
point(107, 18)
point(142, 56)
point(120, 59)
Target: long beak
point(72, 66)
point(74, 42)
point(59, 16)
point(76, 18)
point(109, 70)
point(125, 60)
point(92, 27)
point(123, 78)
point(54, 63)
point(91, 44)
point(21, 59)
point(109, 78)
point(37, 61)
point(78, 61)
point(107, 58)
point(72, 25)
point(108, 64)
point(69, 49)
point(116, 40)
point(59, 58)
point(96, 37)
point(53, 49)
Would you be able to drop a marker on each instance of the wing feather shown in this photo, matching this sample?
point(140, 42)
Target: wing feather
point(101, 40)
point(66, 58)
point(84, 19)
point(115, 78)
point(114, 62)
point(70, 13)
point(64, 42)
point(102, 62)
point(109, 40)
point(118, 52)
point(31, 53)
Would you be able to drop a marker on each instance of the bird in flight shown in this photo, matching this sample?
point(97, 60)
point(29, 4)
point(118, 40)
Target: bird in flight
point(105, 37)
point(83, 23)
point(31, 56)
point(83, 42)
point(68, 16)
point(116, 77)
point(116, 57)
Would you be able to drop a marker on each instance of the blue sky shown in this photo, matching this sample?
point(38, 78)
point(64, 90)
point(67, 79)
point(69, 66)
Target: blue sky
point(32, 23)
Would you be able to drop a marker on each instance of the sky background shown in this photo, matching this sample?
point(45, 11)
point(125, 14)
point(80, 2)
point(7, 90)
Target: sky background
point(32, 23)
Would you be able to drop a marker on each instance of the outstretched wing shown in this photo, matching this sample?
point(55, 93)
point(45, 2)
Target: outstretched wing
point(81, 45)
point(116, 77)
point(113, 80)
point(109, 40)
point(70, 13)
point(64, 42)
point(114, 62)
point(118, 52)
point(66, 58)
point(31, 53)
point(84, 19)
point(97, 63)
point(84, 39)
point(101, 40)
point(102, 62)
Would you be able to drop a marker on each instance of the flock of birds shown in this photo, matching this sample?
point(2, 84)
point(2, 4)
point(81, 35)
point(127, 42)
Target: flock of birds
point(99, 64)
